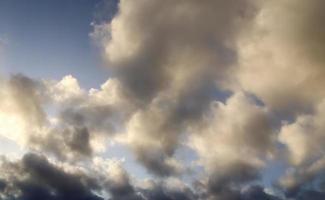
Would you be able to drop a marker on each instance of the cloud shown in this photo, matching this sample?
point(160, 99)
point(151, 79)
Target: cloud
point(21, 108)
point(281, 62)
point(224, 192)
point(304, 137)
point(257, 192)
point(171, 64)
point(59, 117)
point(34, 177)
point(304, 140)
point(170, 75)
point(233, 142)
point(143, 41)
point(239, 132)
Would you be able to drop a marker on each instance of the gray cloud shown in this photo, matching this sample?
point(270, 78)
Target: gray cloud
point(149, 50)
point(169, 55)
point(169, 61)
point(36, 178)
point(27, 94)
point(82, 120)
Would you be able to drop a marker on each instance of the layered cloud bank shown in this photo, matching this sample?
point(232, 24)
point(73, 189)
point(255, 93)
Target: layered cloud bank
point(238, 82)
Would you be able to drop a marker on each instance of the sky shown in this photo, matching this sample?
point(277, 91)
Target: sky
point(162, 100)
point(55, 30)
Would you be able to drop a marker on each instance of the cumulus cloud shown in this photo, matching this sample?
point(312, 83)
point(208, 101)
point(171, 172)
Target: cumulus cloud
point(239, 82)
point(143, 41)
point(233, 141)
point(305, 136)
point(21, 108)
point(59, 117)
point(304, 139)
point(169, 55)
point(239, 130)
point(286, 40)
point(281, 62)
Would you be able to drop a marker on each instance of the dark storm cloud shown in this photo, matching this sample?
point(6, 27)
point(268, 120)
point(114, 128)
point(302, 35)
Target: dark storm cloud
point(163, 191)
point(36, 178)
point(3, 185)
point(311, 194)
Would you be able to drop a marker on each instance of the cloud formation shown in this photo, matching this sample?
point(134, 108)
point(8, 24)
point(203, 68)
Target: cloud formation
point(239, 83)
point(170, 63)
point(34, 177)
point(271, 51)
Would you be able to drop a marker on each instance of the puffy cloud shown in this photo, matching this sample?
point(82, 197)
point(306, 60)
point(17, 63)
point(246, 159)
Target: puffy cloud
point(115, 179)
point(280, 56)
point(233, 141)
point(304, 139)
point(153, 140)
point(280, 61)
point(67, 89)
point(59, 117)
point(169, 55)
point(122, 186)
point(149, 51)
point(170, 60)
point(21, 110)
point(238, 130)
point(84, 120)
point(25, 121)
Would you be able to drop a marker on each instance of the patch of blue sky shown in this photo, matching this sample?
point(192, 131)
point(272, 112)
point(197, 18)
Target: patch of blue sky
point(50, 39)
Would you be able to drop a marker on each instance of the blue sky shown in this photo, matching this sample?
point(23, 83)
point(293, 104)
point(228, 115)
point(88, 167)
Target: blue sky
point(50, 39)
